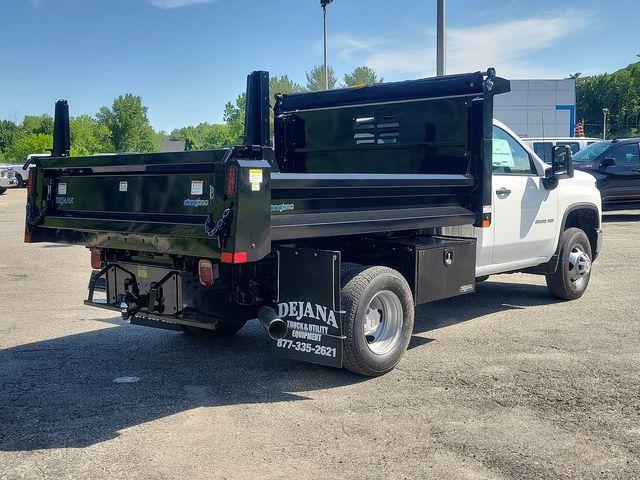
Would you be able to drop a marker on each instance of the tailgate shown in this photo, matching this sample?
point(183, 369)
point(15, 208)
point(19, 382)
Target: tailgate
point(161, 202)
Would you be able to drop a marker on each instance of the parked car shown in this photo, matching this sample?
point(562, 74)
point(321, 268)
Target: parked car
point(616, 166)
point(22, 173)
point(544, 146)
point(7, 178)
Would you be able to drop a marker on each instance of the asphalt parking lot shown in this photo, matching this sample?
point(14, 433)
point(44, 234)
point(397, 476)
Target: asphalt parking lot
point(507, 383)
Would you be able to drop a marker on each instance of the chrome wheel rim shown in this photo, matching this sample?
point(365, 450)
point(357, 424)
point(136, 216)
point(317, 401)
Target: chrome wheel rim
point(579, 266)
point(383, 322)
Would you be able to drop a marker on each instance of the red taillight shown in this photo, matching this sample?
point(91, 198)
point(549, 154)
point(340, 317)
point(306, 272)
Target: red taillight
point(96, 258)
point(27, 237)
point(207, 272)
point(232, 180)
point(238, 257)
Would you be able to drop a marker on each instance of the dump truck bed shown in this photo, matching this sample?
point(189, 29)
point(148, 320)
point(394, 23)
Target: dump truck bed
point(369, 160)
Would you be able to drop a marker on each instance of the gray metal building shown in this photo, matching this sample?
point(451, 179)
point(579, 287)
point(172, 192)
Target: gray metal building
point(536, 108)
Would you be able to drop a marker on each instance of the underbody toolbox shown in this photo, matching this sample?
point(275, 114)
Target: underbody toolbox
point(436, 267)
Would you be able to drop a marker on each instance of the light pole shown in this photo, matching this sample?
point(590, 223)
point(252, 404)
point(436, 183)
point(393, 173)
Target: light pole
point(605, 112)
point(324, 4)
point(441, 48)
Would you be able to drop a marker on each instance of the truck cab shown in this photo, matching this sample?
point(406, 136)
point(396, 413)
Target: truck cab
point(528, 215)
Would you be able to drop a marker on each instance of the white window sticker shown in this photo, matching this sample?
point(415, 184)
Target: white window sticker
point(124, 185)
point(197, 187)
point(62, 189)
point(502, 155)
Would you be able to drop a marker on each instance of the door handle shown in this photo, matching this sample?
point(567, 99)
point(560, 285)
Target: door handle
point(503, 191)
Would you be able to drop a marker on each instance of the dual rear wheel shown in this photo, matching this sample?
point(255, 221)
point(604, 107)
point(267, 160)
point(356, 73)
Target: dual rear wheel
point(378, 318)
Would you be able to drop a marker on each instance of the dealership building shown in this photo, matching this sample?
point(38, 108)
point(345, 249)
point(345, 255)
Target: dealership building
point(537, 108)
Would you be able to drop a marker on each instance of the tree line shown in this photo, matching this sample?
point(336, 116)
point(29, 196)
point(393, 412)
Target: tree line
point(619, 92)
point(210, 135)
point(125, 126)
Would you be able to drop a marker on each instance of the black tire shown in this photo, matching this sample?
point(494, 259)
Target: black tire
point(360, 287)
point(222, 330)
point(21, 183)
point(2, 190)
point(571, 278)
point(483, 278)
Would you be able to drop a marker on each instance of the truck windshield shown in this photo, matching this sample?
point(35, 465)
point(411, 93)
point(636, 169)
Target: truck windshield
point(591, 152)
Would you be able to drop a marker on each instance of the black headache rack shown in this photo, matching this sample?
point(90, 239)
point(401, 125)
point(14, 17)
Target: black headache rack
point(387, 157)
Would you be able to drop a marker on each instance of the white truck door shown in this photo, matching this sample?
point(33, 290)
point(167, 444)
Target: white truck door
point(525, 212)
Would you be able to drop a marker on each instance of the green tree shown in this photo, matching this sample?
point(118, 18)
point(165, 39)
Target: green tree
point(283, 85)
point(88, 136)
point(28, 144)
point(9, 133)
point(204, 136)
point(315, 79)
point(234, 118)
point(129, 125)
point(619, 92)
point(362, 76)
point(38, 124)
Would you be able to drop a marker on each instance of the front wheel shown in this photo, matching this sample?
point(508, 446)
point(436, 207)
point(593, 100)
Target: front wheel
point(2, 190)
point(570, 280)
point(378, 319)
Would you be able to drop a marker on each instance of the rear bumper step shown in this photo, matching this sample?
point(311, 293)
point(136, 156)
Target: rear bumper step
point(154, 320)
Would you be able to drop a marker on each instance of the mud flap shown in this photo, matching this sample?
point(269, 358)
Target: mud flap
point(309, 301)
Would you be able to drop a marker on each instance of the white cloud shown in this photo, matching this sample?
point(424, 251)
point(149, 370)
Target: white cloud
point(346, 45)
point(508, 46)
point(169, 4)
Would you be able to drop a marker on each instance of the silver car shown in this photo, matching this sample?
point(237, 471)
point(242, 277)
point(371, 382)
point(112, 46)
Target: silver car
point(7, 178)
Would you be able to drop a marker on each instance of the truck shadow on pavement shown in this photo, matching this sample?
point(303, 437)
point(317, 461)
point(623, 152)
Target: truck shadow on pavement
point(60, 393)
point(491, 297)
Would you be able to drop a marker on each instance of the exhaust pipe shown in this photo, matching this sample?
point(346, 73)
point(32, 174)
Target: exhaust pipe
point(276, 327)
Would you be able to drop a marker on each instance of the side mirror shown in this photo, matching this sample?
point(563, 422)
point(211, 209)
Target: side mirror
point(607, 162)
point(561, 166)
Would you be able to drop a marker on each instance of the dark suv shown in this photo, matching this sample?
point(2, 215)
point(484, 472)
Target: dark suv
point(616, 166)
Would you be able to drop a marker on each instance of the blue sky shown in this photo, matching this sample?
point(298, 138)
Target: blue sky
point(188, 57)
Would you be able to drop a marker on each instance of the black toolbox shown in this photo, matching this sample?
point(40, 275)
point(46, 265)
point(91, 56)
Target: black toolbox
point(436, 267)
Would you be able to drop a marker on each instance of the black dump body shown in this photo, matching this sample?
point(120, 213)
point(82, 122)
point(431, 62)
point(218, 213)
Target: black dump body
point(374, 159)
point(384, 157)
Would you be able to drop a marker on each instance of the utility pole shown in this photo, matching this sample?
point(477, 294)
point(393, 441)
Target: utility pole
point(605, 111)
point(441, 69)
point(324, 4)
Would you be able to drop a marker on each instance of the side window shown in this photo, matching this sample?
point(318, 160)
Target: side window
point(626, 154)
point(543, 150)
point(509, 157)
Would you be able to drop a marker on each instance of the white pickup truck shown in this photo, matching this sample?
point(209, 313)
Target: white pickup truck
point(553, 231)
